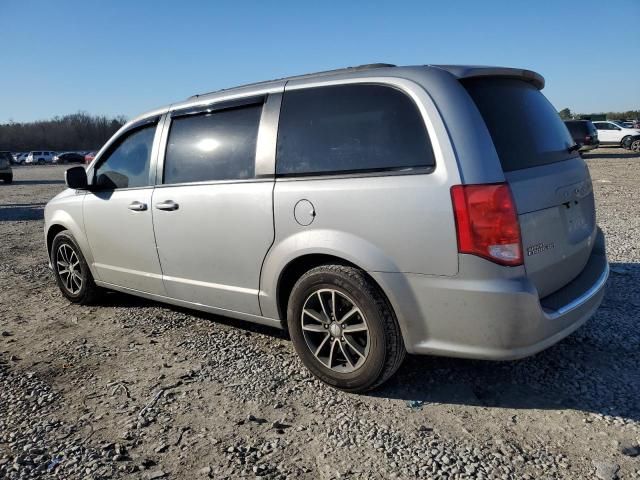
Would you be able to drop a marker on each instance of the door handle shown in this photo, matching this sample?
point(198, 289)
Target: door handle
point(137, 206)
point(167, 205)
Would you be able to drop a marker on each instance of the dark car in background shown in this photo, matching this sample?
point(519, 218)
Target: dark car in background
point(584, 133)
point(68, 157)
point(6, 174)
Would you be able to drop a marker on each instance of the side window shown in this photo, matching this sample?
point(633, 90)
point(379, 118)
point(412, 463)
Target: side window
point(127, 163)
point(213, 146)
point(599, 126)
point(350, 128)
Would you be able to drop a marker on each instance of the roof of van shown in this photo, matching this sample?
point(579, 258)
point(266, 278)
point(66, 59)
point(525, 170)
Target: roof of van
point(458, 71)
point(368, 70)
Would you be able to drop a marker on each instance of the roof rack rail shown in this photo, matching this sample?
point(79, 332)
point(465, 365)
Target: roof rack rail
point(366, 66)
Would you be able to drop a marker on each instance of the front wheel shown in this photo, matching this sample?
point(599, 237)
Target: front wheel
point(71, 271)
point(635, 146)
point(344, 329)
point(8, 179)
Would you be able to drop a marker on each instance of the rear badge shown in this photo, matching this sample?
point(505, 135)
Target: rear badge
point(539, 248)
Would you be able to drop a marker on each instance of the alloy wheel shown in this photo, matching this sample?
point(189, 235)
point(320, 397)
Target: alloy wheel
point(335, 330)
point(69, 268)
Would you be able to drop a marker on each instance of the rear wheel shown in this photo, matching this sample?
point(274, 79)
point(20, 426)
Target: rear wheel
point(635, 145)
point(343, 328)
point(71, 270)
point(626, 142)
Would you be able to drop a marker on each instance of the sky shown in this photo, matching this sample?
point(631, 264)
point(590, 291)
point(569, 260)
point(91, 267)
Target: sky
point(125, 57)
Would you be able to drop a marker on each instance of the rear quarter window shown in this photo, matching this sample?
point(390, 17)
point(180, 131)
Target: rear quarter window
point(526, 129)
point(350, 128)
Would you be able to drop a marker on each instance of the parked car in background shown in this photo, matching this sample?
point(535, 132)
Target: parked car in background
point(88, 158)
point(68, 157)
point(371, 211)
point(40, 157)
point(612, 133)
point(22, 158)
point(584, 133)
point(15, 157)
point(6, 173)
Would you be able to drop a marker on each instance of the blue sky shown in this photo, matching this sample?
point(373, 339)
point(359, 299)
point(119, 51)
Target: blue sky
point(125, 57)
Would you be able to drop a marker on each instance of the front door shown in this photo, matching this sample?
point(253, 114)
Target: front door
point(213, 218)
point(117, 215)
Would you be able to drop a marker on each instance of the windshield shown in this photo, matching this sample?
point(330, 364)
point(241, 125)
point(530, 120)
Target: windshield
point(525, 128)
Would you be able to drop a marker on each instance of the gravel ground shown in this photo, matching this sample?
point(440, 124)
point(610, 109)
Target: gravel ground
point(131, 388)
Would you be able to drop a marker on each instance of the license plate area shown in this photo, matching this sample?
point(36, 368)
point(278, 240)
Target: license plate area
point(575, 220)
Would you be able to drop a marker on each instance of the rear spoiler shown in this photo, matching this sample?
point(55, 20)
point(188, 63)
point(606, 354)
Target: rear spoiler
point(466, 71)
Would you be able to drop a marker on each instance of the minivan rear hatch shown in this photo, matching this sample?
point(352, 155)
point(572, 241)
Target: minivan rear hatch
point(550, 183)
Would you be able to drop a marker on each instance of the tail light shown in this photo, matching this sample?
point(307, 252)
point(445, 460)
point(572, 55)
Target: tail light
point(487, 222)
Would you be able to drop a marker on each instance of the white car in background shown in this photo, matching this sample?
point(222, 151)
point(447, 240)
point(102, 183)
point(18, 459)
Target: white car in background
point(40, 157)
point(612, 133)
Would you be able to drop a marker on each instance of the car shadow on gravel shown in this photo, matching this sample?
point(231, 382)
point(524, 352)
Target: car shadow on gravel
point(123, 300)
point(593, 370)
point(13, 212)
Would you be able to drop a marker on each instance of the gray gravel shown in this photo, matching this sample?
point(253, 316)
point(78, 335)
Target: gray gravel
point(134, 389)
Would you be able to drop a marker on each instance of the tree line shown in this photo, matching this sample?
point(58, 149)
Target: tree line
point(78, 131)
point(567, 114)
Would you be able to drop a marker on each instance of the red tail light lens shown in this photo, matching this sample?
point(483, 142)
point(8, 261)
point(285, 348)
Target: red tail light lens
point(487, 222)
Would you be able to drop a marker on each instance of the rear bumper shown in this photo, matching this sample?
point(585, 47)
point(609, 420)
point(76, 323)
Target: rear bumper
point(592, 146)
point(491, 312)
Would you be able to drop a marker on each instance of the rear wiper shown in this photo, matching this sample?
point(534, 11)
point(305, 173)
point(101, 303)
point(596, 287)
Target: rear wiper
point(574, 147)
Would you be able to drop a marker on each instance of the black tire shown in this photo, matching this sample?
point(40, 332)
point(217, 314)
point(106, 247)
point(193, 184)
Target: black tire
point(8, 179)
point(386, 349)
point(635, 145)
point(88, 290)
point(41, 161)
point(626, 142)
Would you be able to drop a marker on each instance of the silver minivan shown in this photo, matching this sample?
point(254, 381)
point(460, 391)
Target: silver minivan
point(370, 211)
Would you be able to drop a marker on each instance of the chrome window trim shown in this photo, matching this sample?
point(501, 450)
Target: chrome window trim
point(214, 182)
point(361, 174)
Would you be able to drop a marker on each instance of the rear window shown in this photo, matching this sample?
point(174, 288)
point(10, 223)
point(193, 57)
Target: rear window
point(525, 128)
point(350, 128)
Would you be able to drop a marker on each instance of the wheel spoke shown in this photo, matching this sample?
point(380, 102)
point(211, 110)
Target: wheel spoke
point(345, 355)
point(333, 347)
point(313, 315)
point(334, 312)
point(324, 310)
point(78, 281)
point(62, 272)
point(358, 327)
point(314, 328)
point(347, 315)
point(322, 344)
point(353, 347)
